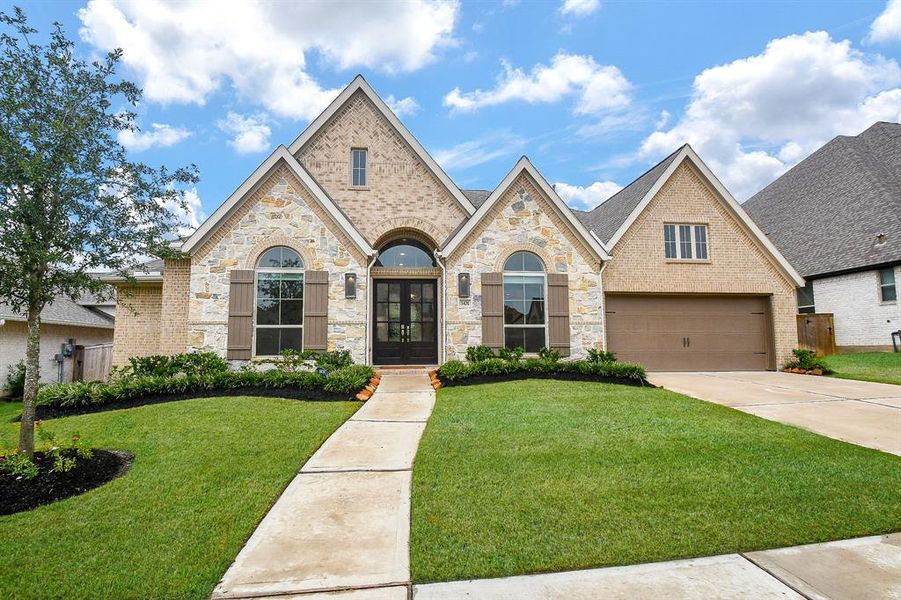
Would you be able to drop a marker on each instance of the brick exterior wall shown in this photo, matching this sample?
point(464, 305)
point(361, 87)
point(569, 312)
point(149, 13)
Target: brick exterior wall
point(400, 185)
point(14, 337)
point(174, 311)
point(138, 318)
point(524, 219)
point(861, 321)
point(737, 263)
point(281, 213)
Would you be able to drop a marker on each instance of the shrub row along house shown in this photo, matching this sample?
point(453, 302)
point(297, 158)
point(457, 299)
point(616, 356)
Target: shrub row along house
point(837, 217)
point(354, 238)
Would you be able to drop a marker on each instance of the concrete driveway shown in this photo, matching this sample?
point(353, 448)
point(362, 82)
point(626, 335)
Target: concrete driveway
point(860, 412)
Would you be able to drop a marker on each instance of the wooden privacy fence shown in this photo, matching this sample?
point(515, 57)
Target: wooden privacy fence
point(92, 363)
point(816, 332)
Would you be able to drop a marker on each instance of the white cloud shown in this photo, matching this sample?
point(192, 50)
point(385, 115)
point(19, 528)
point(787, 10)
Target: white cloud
point(159, 135)
point(587, 197)
point(598, 87)
point(579, 8)
point(475, 152)
point(753, 118)
point(887, 26)
point(403, 107)
point(189, 216)
point(251, 132)
point(185, 51)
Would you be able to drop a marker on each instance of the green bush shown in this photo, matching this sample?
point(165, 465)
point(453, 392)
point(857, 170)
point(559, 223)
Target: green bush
point(456, 371)
point(15, 379)
point(807, 360)
point(343, 382)
point(549, 354)
point(512, 354)
point(600, 356)
point(293, 360)
point(475, 354)
point(191, 364)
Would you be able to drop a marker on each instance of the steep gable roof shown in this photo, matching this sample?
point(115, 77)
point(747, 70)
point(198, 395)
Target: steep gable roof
point(826, 212)
point(281, 155)
point(524, 164)
point(606, 218)
point(359, 84)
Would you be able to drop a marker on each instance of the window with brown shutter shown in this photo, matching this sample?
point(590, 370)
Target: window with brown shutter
point(493, 310)
point(315, 316)
point(558, 312)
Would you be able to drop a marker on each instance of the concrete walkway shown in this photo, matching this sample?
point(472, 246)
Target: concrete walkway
point(860, 412)
point(850, 569)
point(344, 522)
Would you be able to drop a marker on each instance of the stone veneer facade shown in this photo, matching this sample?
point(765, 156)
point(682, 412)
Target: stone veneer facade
point(281, 213)
point(737, 264)
point(524, 219)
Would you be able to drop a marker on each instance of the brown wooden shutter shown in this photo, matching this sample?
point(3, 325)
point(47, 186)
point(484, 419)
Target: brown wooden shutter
point(493, 310)
point(558, 312)
point(315, 310)
point(240, 315)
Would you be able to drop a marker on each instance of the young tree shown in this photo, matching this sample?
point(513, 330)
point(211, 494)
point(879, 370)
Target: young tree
point(71, 202)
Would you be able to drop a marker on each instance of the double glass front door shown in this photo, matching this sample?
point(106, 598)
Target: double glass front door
point(405, 322)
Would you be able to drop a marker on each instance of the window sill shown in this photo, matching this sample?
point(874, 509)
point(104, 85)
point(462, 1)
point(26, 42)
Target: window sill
point(688, 261)
point(887, 302)
point(358, 188)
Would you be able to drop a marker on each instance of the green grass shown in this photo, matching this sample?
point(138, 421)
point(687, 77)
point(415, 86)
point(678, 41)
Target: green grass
point(537, 476)
point(882, 367)
point(9, 410)
point(205, 472)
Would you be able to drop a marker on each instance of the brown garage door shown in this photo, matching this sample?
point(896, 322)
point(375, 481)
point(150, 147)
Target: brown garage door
point(690, 333)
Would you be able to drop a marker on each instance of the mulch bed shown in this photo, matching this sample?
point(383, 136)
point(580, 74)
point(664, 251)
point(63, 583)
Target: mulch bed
point(54, 412)
point(518, 376)
point(47, 487)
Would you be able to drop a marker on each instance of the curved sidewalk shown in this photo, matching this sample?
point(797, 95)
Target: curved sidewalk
point(343, 523)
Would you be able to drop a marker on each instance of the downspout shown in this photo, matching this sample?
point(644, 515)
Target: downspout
point(443, 322)
point(366, 326)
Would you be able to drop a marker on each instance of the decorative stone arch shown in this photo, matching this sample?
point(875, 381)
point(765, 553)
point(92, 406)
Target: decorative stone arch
point(412, 227)
point(506, 250)
point(271, 241)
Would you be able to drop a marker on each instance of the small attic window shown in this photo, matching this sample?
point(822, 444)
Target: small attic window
point(358, 167)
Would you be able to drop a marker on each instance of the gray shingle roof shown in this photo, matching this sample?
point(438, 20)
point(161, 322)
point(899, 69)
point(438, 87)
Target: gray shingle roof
point(63, 311)
point(608, 216)
point(826, 212)
point(477, 197)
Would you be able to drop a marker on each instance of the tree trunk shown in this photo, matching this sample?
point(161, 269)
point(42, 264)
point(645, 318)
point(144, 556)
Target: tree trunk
point(32, 376)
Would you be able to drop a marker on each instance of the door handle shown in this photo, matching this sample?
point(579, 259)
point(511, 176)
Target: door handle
point(688, 341)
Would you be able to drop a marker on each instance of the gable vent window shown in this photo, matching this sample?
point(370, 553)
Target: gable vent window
point(685, 241)
point(805, 299)
point(887, 290)
point(358, 167)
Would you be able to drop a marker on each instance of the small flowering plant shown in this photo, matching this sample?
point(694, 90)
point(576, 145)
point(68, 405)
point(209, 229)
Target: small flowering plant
point(60, 457)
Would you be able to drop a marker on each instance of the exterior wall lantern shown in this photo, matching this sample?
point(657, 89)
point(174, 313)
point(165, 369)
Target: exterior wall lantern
point(350, 285)
point(463, 284)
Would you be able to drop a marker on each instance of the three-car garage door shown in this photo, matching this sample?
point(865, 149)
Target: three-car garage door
point(690, 333)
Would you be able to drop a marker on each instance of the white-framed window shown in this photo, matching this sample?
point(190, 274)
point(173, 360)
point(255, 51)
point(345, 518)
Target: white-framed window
point(685, 241)
point(278, 314)
point(806, 302)
point(525, 290)
point(358, 175)
point(887, 290)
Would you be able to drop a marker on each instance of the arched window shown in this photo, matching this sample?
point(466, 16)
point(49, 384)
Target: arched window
point(279, 301)
point(524, 294)
point(405, 253)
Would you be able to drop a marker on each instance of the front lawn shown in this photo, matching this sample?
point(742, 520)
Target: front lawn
point(533, 476)
point(205, 472)
point(882, 367)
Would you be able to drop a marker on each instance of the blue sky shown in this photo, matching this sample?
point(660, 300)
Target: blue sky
point(594, 92)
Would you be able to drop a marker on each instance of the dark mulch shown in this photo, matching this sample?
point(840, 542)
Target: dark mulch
point(54, 412)
point(479, 379)
point(47, 487)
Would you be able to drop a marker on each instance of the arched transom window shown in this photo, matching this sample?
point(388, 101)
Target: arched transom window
point(279, 301)
point(524, 302)
point(405, 252)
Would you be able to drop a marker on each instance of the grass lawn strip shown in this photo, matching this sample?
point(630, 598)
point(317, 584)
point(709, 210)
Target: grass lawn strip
point(539, 476)
point(881, 367)
point(205, 472)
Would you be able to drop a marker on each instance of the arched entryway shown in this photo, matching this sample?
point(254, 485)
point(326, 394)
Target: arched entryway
point(405, 302)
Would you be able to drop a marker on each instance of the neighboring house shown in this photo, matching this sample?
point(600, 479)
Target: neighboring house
point(62, 322)
point(836, 216)
point(354, 238)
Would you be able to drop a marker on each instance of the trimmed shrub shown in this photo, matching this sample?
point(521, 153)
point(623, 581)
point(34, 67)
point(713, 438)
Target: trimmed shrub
point(600, 356)
point(191, 364)
point(549, 354)
point(475, 354)
point(456, 372)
